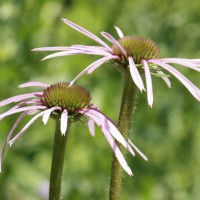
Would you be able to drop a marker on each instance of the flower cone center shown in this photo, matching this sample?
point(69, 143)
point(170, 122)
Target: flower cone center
point(138, 48)
point(71, 98)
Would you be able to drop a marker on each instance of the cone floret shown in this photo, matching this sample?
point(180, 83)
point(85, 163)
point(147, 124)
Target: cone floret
point(71, 98)
point(138, 48)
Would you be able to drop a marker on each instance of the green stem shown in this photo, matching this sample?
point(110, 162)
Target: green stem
point(57, 162)
point(124, 126)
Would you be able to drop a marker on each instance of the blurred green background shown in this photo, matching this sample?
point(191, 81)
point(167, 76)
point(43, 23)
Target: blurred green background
point(169, 133)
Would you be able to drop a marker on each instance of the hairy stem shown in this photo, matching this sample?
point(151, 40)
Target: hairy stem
point(124, 126)
point(58, 156)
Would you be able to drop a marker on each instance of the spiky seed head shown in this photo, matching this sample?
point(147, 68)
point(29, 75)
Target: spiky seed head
point(71, 98)
point(138, 48)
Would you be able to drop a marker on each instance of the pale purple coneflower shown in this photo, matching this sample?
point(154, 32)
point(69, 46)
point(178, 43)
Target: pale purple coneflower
point(64, 103)
point(135, 53)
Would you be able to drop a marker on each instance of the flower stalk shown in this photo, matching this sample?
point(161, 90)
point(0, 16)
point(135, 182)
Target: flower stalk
point(58, 156)
point(124, 126)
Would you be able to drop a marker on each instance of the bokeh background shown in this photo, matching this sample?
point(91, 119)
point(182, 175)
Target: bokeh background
point(169, 133)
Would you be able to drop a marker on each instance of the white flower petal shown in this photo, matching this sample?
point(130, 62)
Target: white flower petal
point(186, 82)
point(105, 123)
point(13, 111)
point(110, 140)
point(18, 98)
point(64, 122)
point(114, 41)
point(91, 127)
point(117, 152)
point(137, 150)
point(87, 50)
point(26, 127)
point(48, 112)
point(135, 74)
point(119, 32)
point(165, 78)
point(92, 67)
point(148, 83)
point(61, 48)
point(87, 33)
point(9, 136)
point(185, 63)
point(33, 84)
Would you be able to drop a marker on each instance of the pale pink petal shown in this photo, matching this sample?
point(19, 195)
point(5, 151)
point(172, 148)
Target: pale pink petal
point(119, 32)
point(33, 84)
point(26, 127)
point(92, 67)
point(114, 41)
point(13, 111)
point(148, 83)
point(64, 53)
point(137, 150)
point(75, 52)
point(111, 141)
point(32, 112)
point(9, 136)
point(98, 117)
point(186, 63)
point(35, 102)
point(165, 78)
point(18, 98)
point(188, 84)
point(61, 48)
point(98, 48)
point(102, 60)
point(193, 61)
point(91, 127)
point(64, 122)
point(87, 33)
point(48, 112)
point(117, 152)
point(135, 74)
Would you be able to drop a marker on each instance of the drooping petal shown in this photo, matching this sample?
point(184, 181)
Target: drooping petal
point(9, 136)
point(114, 41)
point(117, 152)
point(34, 102)
point(33, 84)
point(165, 78)
point(13, 111)
point(64, 122)
point(186, 63)
point(87, 33)
point(119, 32)
point(18, 98)
point(148, 83)
point(137, 150)
point(91, 127)
point(101, 119)
point(26, 127)
point(92, 67)
point(186, 82)
point(195, 61)
point(110, 140)
point(48, 112)
point(135, 74)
